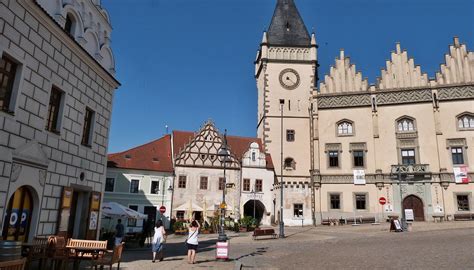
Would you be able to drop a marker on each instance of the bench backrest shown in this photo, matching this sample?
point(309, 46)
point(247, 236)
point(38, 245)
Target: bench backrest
point(87, 243)
point(39, 246)
point(13, 265)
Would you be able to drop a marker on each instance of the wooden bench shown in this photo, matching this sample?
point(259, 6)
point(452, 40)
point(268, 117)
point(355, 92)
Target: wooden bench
point(100, 245)
point(37, 251)
point(466, 216)
point(263, 232)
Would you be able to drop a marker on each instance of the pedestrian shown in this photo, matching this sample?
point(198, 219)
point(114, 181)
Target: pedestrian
point(192, 241)
point(119, 232)
point(159, 239)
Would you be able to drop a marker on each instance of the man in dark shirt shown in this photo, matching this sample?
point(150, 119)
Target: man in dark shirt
point(119, 232)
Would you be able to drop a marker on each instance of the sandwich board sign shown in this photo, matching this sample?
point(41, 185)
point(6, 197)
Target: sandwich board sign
point(409, 216)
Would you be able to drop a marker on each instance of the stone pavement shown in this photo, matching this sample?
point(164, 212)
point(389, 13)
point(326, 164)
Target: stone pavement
point(324, 246)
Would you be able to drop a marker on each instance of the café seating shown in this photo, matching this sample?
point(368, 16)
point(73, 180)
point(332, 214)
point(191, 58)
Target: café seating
point(57, 252)
point(37, 252)
point(13, 265)
point(110, 260)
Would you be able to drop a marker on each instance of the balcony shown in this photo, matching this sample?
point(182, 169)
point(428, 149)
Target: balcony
point(412, 172)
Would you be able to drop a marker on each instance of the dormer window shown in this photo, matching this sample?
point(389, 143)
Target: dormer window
point(466, 121)
point(405, 125)
point(254, 158)
point(345, 128)
point(69, 25)
point(127, 156)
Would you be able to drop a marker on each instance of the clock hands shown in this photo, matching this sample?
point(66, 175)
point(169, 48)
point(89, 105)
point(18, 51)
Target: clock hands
point(288, 79)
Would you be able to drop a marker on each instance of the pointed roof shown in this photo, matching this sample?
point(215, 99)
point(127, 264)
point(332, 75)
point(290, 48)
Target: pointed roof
point(287, 27)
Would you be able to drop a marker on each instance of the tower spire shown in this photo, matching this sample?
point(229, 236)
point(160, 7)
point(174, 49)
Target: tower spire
point(287, 27)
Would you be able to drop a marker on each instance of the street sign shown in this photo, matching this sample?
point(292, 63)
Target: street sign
point(222, 250)
point(162, 209)
point(382, 200)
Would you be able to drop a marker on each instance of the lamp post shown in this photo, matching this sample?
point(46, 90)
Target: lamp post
point(282, 224)
point(223, 154)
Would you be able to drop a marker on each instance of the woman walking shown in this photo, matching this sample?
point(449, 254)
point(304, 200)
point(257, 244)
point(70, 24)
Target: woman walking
point(158, 240)
point(192, 241)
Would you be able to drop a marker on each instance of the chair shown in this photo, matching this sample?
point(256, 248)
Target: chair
point(57, 252)
point(116, 257)
point(37, 251)
point(13, 265)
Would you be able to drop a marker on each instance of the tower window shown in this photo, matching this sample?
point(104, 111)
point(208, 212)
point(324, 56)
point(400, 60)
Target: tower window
point(290, 135)
point(290, 164)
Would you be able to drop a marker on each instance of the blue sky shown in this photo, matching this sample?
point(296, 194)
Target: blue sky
point(182, 62)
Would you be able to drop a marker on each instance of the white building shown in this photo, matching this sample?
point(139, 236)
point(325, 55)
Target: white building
point(142, 179)
point(56, 91)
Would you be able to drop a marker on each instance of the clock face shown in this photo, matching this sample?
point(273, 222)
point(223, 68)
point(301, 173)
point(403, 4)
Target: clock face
point(289, 78)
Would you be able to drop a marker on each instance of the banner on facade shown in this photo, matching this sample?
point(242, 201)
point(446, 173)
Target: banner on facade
point(460, 175)
point(359, 177)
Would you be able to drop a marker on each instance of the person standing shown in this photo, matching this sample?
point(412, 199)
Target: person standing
point(119, 232)
point(192, 241)
point(158, 240)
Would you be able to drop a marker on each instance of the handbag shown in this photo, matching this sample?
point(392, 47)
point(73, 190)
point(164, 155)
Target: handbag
point(186, 242)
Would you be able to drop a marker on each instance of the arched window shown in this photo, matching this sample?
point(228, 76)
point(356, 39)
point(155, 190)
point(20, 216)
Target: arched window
point(405, 125)
point(345, 128)
point(290, 164)
point(466, 121)
point(69, 25)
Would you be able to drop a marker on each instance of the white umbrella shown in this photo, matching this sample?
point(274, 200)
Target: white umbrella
point(113, 209)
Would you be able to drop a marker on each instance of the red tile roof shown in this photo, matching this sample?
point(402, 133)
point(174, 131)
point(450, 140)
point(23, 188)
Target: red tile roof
point(153, 156)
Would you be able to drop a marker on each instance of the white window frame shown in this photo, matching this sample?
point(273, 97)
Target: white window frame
point(130, 186)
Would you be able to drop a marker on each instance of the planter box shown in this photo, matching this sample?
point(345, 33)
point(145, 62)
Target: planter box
point(180, 232)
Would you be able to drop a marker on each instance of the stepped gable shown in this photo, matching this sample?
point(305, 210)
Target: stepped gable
point(401, 72)
point(343, 77)
point(153, 156)
point(458, 66)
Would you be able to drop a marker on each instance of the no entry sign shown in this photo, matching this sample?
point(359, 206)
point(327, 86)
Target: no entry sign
point(162, 209)
point(382, 200)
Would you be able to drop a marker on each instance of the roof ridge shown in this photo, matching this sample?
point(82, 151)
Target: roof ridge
point(139, 146)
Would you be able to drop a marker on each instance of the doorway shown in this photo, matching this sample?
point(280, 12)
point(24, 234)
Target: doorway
point(16, 226)
point(197, 215)
point(415, 203)
point(254, 208)
point(77, 226)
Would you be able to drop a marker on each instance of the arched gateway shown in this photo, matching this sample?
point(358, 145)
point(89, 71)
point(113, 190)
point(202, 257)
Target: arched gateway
point(254, 208)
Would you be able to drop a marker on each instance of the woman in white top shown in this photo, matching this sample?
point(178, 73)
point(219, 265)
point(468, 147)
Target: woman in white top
point(158, 240)
point(192, 241)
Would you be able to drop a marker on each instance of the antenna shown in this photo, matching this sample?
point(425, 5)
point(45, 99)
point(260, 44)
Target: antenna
point(166, 127)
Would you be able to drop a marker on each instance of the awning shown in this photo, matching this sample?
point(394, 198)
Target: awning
point(113, 209)
point(186, 207)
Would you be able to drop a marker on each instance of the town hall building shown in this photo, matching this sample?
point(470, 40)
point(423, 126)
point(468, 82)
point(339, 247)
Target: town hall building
point(340, 144)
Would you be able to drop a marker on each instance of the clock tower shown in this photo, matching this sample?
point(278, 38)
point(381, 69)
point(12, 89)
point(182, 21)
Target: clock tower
point(286, 74)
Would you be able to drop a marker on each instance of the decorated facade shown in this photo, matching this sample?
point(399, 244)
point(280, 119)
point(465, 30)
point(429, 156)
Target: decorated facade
point(346, 143)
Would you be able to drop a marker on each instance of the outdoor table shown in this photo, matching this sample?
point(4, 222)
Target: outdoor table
point(81, 251)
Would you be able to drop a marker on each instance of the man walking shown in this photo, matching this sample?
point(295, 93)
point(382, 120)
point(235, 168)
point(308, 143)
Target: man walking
point(119, 232)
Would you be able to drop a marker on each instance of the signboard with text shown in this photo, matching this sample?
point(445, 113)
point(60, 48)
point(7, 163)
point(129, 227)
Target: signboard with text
point(359, 177)
point(409, 216)
point(460, 175)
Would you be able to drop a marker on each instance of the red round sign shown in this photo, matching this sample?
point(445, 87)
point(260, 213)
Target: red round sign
point(162, 209)
point(382, 200)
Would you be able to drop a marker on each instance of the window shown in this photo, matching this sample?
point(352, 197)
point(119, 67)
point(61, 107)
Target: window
point(134, 186)
point(69, 25)
point(405, 125)
point(254, 156)
point(344, 128)
point(358, 158)
point(109, 184)
point(360, 201)
point(87, 129)
point(52, 123)
point(335, 201)
point(463, 202)
point(155, 187)
point(180, 215)
point(182, 181)
point(290, 135)
point(221, 183)
point(298, 210)
point(457, 155)
point(258, 185)
point(290, 164)
point(333, 158)
point(131, 221)
point(246, 184)
point(408, 156)
point(203, 182)
point(466, 122)
point(7, 77)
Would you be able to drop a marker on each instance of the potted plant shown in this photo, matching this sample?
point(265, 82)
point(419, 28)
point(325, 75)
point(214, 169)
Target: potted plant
point(179, 228)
